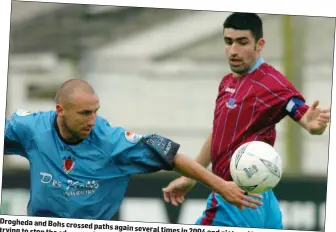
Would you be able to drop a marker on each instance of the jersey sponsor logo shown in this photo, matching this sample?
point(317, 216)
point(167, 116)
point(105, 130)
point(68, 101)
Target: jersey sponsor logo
point(132, 137)
point(76, 188)
point(68, 163)
point(71, 187)
point(230, 90)
point(47, 178)
point(231, 103)
point(23, 113)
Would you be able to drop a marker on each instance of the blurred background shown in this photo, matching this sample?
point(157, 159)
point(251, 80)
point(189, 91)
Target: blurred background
point(158, 70)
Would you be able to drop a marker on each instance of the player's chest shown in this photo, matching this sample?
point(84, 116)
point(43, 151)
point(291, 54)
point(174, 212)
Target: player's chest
point(237, 98)
point(72, 171)
point(51, 155)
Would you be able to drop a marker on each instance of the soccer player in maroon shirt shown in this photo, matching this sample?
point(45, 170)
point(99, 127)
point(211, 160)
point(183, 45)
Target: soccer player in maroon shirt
point(251, 101)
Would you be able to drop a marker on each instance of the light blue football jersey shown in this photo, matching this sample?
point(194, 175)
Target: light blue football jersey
point(86, 180)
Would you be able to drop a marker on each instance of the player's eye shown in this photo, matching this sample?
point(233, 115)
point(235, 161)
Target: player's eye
point(86, 113)
point(228, 41)
point(243, 42)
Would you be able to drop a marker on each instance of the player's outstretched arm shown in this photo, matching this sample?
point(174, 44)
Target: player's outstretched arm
point(177, 189)
point(315, 120)
point(137, 154)
point(228, 190)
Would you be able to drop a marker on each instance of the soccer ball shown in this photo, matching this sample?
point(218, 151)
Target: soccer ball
point(256, 167)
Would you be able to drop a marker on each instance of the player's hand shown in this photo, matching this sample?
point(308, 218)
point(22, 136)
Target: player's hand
point(175, 192)
point(317, 119)
point(236, 196)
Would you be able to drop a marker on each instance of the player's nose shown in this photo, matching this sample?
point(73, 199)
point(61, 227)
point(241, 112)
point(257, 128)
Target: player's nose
point(92, 121)
point(233, 50)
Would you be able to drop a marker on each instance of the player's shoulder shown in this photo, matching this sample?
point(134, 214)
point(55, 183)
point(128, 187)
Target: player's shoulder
point(104, 135)
point(104, 129)
point(270, 70)
point(225, 80)
point(31, 121)
point(22, 116)
point(272, 77)
point(102, 123)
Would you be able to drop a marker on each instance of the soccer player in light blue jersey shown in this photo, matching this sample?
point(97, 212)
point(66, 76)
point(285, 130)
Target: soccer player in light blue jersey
point(80, 165)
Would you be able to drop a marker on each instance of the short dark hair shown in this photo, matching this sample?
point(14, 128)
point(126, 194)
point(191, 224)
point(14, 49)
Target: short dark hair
point(245, 21)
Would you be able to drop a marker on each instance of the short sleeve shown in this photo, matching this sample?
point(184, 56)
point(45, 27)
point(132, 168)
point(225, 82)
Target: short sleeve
point(17, 133)
point(134, 153)
point(278, 93)
point(296, 108)
point(149, 153)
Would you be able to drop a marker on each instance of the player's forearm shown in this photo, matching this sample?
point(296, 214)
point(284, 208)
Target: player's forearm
point(204, 157)
point(189, 168)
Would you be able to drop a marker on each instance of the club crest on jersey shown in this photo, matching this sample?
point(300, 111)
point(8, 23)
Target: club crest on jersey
point(231, 103)
point(132, 137)
point(68, 163)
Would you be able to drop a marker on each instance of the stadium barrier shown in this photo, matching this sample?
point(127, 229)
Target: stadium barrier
point(302, 200)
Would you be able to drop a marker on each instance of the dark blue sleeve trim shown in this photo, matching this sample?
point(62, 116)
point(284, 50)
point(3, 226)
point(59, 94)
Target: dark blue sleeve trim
point(164, 148)
point(292, 105)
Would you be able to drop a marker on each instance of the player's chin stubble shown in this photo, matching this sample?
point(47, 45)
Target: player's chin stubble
point(75, 135)
point(239, 70)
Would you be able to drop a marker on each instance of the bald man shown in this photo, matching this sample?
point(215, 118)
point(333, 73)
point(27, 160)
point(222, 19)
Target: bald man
point(81, 165)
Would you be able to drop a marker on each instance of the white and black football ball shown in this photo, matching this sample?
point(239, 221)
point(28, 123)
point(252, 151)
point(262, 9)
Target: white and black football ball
point(256, 167)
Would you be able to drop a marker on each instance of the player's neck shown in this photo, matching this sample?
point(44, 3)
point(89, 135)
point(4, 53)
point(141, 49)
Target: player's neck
point(64, 134)
point(259, 61)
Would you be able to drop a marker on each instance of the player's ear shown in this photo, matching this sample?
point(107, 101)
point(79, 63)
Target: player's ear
point(260, 45)
point(59, 110)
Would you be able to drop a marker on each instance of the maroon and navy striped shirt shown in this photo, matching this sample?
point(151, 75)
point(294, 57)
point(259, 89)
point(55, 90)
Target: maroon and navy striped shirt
point(247, 109)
